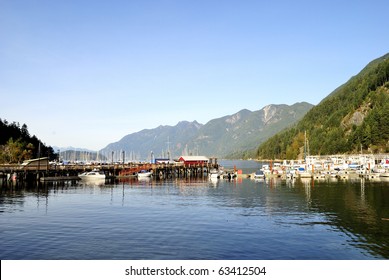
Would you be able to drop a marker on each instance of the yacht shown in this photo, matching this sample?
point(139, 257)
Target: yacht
point(259, 175)
point(385, 173)
point(92, 175)
point(144, 174)
point(214, 174)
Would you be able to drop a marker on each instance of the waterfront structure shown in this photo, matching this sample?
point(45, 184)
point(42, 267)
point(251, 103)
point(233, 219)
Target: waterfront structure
point(193, 160)
point(368, 166)
point(36, 164)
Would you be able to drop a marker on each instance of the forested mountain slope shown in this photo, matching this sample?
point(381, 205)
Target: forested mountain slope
point(354, 116)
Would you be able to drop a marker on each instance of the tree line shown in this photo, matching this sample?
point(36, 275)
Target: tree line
point(17, 145)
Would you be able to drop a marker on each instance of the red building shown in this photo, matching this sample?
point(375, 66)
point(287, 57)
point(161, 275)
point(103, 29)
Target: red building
point(192, 160)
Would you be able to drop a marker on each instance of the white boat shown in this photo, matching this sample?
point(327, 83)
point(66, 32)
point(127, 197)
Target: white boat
point(290, 176)
point(92, 175)
point(259, 175)
point(385, 174)
point(144, 174)
point(214, 174)
point(319, 176)
point(334, 174)
point(374, 176)
point(305, 174)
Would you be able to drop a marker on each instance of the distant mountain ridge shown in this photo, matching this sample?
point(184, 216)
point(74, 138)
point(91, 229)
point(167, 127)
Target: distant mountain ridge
point(160, 141)
point(246, 129)
point(232, 134)
point(70, 148)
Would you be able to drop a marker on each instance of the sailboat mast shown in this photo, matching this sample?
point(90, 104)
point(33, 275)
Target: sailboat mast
point(305, 146)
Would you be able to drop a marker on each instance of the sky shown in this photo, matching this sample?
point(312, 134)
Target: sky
point(85, 73)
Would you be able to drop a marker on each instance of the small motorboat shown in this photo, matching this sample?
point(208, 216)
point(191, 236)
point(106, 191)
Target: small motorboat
point(92, 175)
point(214, 174)
point(145, 174)
point(385, 174)
point(259, 174)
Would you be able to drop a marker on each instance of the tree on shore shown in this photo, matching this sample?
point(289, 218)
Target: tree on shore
point(16, 144)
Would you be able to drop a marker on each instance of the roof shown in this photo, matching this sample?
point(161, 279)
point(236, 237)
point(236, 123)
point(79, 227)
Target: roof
point(26, 162)
point(194, 158)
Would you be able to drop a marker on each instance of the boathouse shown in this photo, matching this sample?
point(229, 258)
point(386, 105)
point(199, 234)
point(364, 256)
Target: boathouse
point(36, 164)
point(193, 160)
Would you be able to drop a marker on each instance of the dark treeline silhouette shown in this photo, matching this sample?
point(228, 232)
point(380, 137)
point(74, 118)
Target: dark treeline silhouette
point(16, 144)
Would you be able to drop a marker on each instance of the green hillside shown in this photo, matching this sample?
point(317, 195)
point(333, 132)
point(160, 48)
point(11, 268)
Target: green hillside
point(16, 144)
point(354, 116)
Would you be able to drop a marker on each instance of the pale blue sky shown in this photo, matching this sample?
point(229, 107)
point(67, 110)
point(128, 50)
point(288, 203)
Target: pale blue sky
point(86, 73)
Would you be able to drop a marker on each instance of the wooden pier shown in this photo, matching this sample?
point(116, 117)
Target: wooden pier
point(49, 172)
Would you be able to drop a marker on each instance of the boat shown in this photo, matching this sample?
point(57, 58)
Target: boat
point(305, 174)
point(214, 174)
point(289, 176)
point(319, 176)
point(145, 174)
point(92, 175)
point(259, 175)
point(228, 175)
point(334, 174)
point(385, 174)
point(374, 175)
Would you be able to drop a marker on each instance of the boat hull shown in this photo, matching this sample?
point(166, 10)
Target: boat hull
point(145, 175)
point(92, 175)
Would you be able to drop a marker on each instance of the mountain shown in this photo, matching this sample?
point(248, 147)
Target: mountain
point(70, 148)
point(353, 117)
point(246, 129)
point(161, 141)
point(220, 137)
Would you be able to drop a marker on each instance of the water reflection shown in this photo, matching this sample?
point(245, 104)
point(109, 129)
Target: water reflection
point(312, 213)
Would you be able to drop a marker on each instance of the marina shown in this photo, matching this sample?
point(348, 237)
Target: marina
point(370, 167)
point(367, 166)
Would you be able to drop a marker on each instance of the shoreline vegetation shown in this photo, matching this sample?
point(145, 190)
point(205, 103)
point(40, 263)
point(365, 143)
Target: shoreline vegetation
point(17, 145)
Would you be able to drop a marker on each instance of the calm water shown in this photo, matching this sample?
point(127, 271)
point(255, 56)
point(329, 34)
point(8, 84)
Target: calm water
point(197, 219)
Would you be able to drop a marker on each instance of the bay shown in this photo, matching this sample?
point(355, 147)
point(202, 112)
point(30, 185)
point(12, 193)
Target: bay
point(197, 219)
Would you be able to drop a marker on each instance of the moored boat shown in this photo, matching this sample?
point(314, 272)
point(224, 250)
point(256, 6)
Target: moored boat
point(214, 174)
point(144, 174)
point(303, 173)
point(385, 174)
point(259, 175)
point(92, 175)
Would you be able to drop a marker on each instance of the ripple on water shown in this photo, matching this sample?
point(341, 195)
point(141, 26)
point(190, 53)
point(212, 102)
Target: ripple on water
point(194, 220)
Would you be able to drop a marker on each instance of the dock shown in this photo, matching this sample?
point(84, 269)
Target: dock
point(45, 172)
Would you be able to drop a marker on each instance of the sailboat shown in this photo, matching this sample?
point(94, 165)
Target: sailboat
point(305, 173)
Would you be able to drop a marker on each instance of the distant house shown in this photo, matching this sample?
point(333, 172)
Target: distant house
point(41, 163)
point(191, 160)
